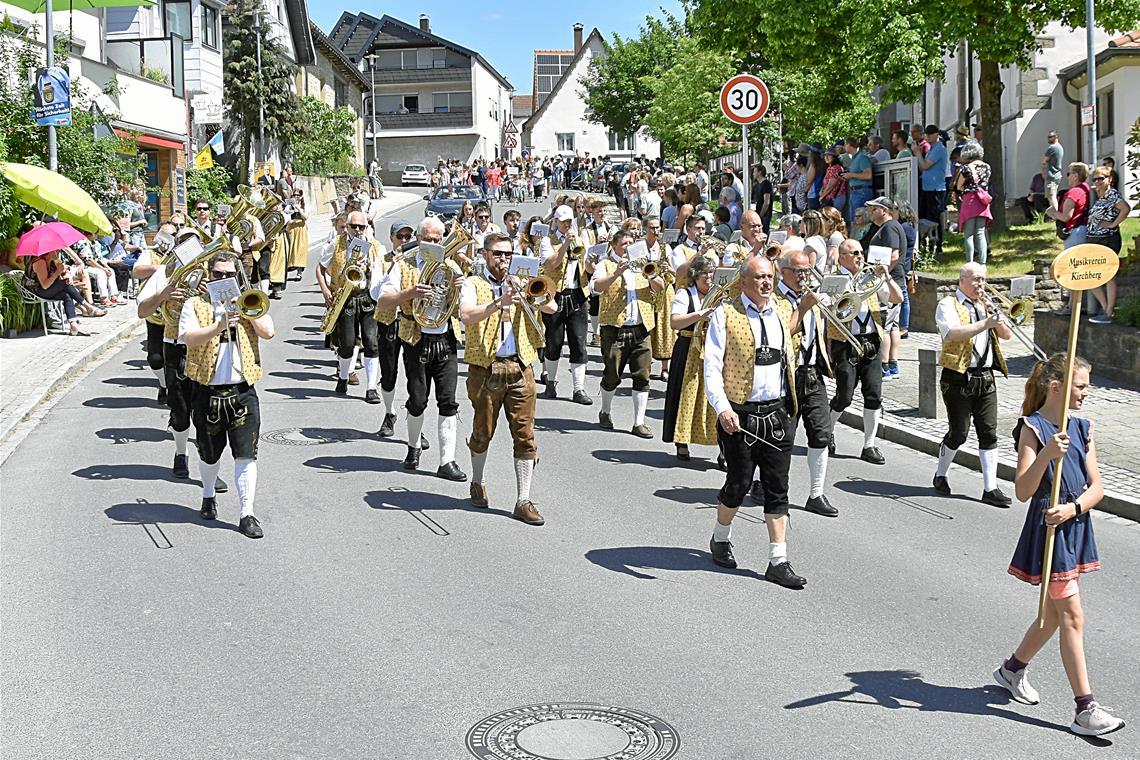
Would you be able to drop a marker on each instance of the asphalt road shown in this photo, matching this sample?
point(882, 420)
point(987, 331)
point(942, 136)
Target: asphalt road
point(382, 617)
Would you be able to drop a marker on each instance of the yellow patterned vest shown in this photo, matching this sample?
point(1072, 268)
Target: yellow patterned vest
point(482, 338)
point(611, 308)
point(784, 305)
point(170, 332)
point(410, 331)
point(956, 355)
point(336, 266)
point(559, 274)
point(876, 317)
point(201, 360)
point(740, 353)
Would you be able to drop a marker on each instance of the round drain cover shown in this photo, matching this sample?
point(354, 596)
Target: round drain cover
point(572, 731)
point(310, 436)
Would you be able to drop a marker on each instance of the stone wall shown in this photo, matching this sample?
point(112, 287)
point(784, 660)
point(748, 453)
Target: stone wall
point(932, 288)
point(319, 192)
point(1113, 350)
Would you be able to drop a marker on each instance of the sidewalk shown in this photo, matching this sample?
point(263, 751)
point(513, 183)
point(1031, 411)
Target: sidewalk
point(1110, 405)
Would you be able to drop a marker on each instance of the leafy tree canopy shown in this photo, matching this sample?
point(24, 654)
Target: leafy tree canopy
point(323, 143)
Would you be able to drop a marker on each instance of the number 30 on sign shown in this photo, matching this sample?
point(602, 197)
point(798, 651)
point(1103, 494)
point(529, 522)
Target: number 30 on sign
point(744, 99)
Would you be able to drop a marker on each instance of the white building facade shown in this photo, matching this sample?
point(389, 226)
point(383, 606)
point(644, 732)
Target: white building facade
point(559, 125)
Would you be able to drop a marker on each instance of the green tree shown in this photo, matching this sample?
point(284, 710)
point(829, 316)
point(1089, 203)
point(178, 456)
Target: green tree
point(245, 88)
point(685, 110)
point(324, 140)
point(213, 185)
point(618, 87)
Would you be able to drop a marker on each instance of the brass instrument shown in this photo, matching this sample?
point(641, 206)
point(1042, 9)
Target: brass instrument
point(1016, 313)
point(252, 303)
point(439, 306)
point(714, 244)
point(647, 268)
point(188, 278)
point(867, 281)
point(720, 291)
point(355, 274)
point(535, 292)
point(829, 315)
point(161, 249)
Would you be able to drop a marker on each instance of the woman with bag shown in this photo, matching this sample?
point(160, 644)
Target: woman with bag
point(974, 213)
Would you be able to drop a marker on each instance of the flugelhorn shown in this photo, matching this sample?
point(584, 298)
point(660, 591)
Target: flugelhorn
point(864, 283)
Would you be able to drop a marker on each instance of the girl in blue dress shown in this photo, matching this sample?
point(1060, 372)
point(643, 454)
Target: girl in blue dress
point(1039, 445)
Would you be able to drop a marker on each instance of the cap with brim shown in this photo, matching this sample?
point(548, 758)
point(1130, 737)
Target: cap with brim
point(882, 202)
point(400, 224)
point(830, 152)
point(804, 148)
point(962, 131)
point(563, 214)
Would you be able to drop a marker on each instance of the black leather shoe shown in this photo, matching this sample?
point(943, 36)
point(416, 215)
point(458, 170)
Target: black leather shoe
point(721, 463)
point(831, 446)
point(425, 444)
point(722, 553)
point(580, 397)
point(642, 431)
point(412, 460)
point(451, 471)
point(783, 575)
point(209, 509)
point(221, 486)
point(942, 485)
point(544, 379)
point(873, 455)
point(683, 452)
point(756, 493)
point(388, 426)
point(604, 421)
point(996, 498)
point(821, 506)
point(371, 396)
point(180, 468)
point(341, 387)
point(249, 526)
point(162, 395)
point(551, 391)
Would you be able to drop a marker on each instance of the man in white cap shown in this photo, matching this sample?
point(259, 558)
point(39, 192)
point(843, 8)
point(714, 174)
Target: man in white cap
point(563, 255)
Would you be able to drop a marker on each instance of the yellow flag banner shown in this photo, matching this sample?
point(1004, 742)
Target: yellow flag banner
point(204, 159)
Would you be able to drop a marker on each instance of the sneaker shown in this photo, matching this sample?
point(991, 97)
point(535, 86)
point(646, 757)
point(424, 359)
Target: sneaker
point(1095, 720)
point(353, 378)
point(1017, 684)
point(887, 374)
point(894, 372)
point(1101, 319)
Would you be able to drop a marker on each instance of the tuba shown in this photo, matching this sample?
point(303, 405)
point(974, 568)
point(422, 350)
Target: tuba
point(355, 277)
point(252, 303)
point(439, 306)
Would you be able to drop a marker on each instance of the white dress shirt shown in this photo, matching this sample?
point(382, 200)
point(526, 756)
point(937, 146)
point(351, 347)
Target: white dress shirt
point(809, 346)
point(547, 249)
point(946, 317)
point(227, 366)
point(390, 283)
point(469, 298)
point(767, 380)
point(629, 278)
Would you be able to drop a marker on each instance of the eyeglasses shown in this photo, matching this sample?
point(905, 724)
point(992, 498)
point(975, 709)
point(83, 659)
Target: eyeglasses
point(357, 226)
point(499, 254)
point(1098, 179)
point(800, 272)
point(484, 217)
point(216, 274)
point(405, 236)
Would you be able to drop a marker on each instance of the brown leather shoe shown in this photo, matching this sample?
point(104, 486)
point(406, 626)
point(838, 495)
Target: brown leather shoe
point(528, 513)
point(353, 378)
point(479, 496)
point(642, 431)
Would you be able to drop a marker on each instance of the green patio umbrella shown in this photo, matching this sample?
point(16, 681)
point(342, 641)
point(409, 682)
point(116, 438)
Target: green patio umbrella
point(53, 193)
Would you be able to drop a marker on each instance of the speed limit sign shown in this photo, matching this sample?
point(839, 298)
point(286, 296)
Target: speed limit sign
point(744, 99)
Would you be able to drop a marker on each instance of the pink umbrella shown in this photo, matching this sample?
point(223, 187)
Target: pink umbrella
point(54, 236)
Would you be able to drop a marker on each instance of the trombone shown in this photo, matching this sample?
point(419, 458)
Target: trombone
point(1019, 310)
point(830, 315)
point(535, 292)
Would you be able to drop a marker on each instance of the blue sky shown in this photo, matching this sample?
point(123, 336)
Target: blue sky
point(508, 32)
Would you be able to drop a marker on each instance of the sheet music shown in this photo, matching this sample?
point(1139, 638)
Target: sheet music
point(222, 292)
point(524, 266)
point(1022, 287)
point(637, 251)
point(188, 250)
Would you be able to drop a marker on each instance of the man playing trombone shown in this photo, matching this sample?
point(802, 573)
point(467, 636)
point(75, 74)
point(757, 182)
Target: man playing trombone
point(861, 367)
point(970, 326)
point(502, 342)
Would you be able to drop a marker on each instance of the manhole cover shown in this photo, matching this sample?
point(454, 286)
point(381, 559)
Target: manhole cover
point(572, 731)
point(310, 436)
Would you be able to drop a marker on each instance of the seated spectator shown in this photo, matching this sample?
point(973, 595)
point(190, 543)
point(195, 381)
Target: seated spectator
point(105, 278)
point(1035, 202)
point(49, 279)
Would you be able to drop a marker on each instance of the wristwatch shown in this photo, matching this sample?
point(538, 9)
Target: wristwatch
point(1077, 505)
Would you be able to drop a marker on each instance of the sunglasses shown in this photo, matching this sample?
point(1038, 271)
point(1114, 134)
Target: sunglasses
point(202, 208)
point(499, 254)
point(483, 217)
point(220, 275)
point(357, 226)
point(405, 236)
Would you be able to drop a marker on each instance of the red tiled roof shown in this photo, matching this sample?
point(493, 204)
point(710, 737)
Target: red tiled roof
point(1131, 40)
point(522, 102)
point(553, 52)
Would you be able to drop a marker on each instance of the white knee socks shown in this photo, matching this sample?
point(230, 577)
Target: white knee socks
point(245, 473)
point(835, 420)
point(389, 399)
point(640, 401)
point(870, 426)
point(594, 319)
point(578, 375)
point(180, 439)
point(447, 428)
point(552, 370)
point(817, 470)
point(371, 372)
point(989, 459)
point(478, 465)
point(415, 429)
point(160, 373)
point(722, 532)
point(607, 399)
point(344, 366)
point(523, 470)
point(945, 459)
point(209, 475)
point(777, 552)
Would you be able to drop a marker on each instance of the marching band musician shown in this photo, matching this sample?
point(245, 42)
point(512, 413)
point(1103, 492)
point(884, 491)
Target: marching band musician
point(400, 234)
point(865, 370)
point(662, 339)
point(500, 346)
point(750, 384)
point(688, 416)
point(597, 231)
point(751, 242)
point(570, 321)
point(687, 248)
point(144, 268)
point(205, 219)
point(298, 234)
point(970, 330)
point(812, 364)
point(625, 310)
point(356, 318)
point(429, 356)
point(223, 361)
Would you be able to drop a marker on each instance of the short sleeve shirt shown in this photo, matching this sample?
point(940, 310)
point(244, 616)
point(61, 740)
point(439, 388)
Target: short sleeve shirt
point(934, 178)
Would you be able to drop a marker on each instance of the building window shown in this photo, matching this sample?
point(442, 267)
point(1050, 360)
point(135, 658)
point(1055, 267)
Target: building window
point(451, 102)
point(340, 93)
point(1105, 113)
point(411, 104)
point(178, 19)
point(620, 142)
point(565, 142)
point(210, 26)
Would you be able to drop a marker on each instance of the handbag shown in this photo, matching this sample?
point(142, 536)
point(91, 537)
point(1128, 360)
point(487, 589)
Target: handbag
point(983, 194)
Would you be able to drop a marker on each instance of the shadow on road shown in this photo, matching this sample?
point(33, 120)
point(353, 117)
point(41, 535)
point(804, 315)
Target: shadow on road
point(304, 394)
point(313, 363)
point(890, 688)
point(302, 377)
point(132, 382)
point(357, 463)
point(623, 559)
point(124, 402)
point(129, 472)
point(689, 495)
point(404, 500)
point(563, 425)
point(644, 457)
point(133, 435)
point(313, 345)
point(163, 514)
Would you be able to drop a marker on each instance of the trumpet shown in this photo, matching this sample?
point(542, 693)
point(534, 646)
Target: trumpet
point(647, 268)
point(1019, 310)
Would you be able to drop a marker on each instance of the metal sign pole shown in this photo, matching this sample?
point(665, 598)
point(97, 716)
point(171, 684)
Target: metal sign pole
point(53, 160)
point(745, 171)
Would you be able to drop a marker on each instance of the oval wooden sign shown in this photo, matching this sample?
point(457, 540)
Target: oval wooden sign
point(1085, 266)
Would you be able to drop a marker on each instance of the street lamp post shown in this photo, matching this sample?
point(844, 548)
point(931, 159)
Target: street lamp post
point(259, 155)
point(53, 159)
point(372, 69)
point(1090, 29)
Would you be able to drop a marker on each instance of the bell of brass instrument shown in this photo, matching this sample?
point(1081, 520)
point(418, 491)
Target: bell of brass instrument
point(831, 317)
point(355, 277)
point(438, 306)
point(1016, 313)
point(867, 281)
point(252, 303)
point(647, 268)
point(535, 291)
point(188, 277)
point(715, 245)
point(720, 291)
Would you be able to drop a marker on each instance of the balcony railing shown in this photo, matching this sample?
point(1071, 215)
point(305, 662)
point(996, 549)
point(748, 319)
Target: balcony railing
point(412, 76)
point(399, 121)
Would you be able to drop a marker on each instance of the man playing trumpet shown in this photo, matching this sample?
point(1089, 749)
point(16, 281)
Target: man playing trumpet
point(971, 327)
point(569, 323)
point(502, 342)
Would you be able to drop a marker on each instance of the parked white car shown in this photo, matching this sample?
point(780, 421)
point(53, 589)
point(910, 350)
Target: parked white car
point(415, 174)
